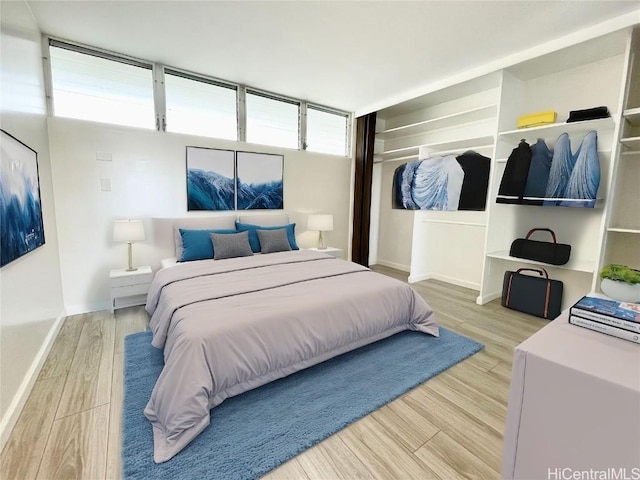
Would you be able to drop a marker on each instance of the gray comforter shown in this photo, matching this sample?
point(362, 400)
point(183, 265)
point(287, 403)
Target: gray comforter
point(228, 326)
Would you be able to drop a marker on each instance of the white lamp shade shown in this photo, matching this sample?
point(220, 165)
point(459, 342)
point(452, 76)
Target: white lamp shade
point(321, 223)
point(128, 231)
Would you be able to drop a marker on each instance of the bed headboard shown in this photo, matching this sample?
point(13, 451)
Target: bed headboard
point(264, 219)
point(163, 229)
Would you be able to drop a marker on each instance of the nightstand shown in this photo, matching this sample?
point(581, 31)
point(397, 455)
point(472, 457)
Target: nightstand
point(129, 288)
point(336, 252)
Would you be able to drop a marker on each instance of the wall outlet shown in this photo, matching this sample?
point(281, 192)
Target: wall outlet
point(105, 184)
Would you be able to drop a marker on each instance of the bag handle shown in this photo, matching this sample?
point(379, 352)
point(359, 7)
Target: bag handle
point(541, 271)
point(542, 230)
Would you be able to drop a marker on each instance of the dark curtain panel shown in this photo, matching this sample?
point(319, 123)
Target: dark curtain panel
point(365, 137)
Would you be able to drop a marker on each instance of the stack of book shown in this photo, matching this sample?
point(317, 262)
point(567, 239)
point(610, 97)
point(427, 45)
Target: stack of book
point(603, 315)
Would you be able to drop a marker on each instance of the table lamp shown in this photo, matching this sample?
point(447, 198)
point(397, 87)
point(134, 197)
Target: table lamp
point(128, 231)
point(321, 223)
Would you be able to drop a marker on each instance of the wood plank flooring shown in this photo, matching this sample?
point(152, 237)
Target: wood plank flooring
point(450, 427)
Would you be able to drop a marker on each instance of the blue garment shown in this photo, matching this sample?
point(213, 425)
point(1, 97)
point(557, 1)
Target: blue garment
point(585, 177)
point(538, 176)
point(437, 183)
point(561, 167)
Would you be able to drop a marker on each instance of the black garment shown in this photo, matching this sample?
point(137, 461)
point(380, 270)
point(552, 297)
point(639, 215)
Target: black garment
point(539, 170)
point(514, 178)
point(476, 180)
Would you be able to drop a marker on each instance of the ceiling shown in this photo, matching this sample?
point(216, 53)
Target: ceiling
point(351, 55)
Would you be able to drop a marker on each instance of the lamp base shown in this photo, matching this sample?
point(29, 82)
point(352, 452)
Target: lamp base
point(321, 245)
point(130, 268)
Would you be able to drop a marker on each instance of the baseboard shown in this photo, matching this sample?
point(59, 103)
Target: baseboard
point(87, 307)
point(12, 414)
point(397, 266)
point(483, 299)
point(444, 278)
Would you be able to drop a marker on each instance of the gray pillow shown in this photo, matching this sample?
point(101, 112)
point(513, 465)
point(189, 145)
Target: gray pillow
point(273, 240)
point(230, 245)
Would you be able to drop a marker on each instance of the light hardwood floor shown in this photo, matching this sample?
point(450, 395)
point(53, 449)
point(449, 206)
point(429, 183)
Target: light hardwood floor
point(450, 427)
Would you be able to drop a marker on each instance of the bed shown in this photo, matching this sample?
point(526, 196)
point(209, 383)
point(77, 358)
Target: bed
point(228, 326)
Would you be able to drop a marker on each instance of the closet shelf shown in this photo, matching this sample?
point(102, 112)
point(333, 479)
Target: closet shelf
point(537, 202)
point(624, 229)
point(377, 159)
point(557, 129)
point(455, 222)
point(483, 113)
point(574, 265)
point(631, 142)
point(632, 115)
point(600, 152)
point(439, 148)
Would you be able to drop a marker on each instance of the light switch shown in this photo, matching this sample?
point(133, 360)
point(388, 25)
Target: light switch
point(105, 184)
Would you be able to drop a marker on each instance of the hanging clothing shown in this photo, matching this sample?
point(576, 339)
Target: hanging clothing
point(476, 180)
point(585, 176)
point(514, 178)
point(538, 176)
point(438, 183)
point(561, 167)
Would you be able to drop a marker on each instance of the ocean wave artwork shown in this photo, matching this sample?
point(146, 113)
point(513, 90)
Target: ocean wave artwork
point(210, 179)
point(259, 179)
point(21, 227)
point(209, 190)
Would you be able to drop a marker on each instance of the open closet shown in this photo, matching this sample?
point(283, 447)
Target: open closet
point(471, 247)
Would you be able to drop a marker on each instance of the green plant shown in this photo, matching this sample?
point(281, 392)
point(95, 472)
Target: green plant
point(621, 273)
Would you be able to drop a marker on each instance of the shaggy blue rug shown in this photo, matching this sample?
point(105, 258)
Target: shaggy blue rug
point(255, 432)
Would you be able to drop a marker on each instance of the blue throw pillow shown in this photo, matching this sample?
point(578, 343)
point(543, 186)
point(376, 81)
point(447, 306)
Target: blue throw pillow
point(254, 241)
point(196, 244)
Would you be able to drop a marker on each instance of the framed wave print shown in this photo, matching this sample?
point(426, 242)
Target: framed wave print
point(21, 225)
point(259, 181)
point(210, 179)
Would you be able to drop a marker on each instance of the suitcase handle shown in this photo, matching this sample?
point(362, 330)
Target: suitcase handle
point(541, 271)
point(544, 230)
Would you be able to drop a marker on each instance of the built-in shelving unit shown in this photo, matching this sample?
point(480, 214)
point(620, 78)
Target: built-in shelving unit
point(622, 236)
point(554, 130)
point(471, 248)
point(587, 266)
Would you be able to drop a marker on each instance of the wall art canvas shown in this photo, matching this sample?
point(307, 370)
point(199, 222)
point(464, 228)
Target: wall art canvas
point(259, 181)
point(22, 228)
point(442, 183)
point(210, 179)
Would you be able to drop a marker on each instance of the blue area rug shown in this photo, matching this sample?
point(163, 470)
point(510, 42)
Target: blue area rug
point(255, 432)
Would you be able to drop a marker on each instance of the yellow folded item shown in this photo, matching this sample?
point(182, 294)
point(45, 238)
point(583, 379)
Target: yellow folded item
point(535, 119)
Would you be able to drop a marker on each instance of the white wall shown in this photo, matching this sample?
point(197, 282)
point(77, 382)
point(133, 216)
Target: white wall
point(148, 179)
point(30, 287)
point(395, 227)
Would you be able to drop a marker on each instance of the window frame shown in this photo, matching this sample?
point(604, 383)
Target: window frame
point(49, 41)
point(196, 77)
point(159, 91)
point(333, 111)
point(277, 98)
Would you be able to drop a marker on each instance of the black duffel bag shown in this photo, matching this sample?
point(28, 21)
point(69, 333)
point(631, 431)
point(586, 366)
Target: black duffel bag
point(539, 296)
point(553, 253)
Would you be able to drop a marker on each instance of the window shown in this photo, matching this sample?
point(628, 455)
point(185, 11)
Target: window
point(200, 107)
point(272, 121)
point(91, 87)
point(326, 131)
